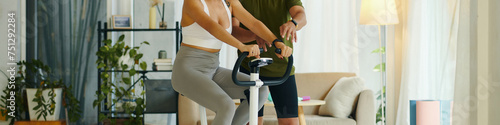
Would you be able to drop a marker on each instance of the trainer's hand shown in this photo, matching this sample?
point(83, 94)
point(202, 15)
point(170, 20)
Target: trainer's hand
point(288, 31)
point(285, 50)
point(253, 50)
point(262, 43)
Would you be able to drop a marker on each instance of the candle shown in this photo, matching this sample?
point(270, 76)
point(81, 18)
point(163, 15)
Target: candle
point(152, 18)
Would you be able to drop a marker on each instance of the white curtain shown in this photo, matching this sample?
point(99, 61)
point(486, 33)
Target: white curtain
point(429, 57)
point(328, 43)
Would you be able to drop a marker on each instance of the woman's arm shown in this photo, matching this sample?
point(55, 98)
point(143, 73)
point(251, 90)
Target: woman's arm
point(194, 9)
point(246, 36)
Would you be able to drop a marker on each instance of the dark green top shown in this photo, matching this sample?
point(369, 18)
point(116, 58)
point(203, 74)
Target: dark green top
point(273, 13)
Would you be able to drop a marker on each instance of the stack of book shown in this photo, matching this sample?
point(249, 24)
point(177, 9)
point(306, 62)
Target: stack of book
point(162, 64)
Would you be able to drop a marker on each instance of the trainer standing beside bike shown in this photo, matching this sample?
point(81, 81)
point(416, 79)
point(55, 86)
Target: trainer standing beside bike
point(283, 18)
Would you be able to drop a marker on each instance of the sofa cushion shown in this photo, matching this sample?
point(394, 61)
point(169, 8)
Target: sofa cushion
point(342, 98)
point(315, 85)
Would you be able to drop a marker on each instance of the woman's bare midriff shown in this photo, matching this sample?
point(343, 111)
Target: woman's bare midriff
point(201, 48)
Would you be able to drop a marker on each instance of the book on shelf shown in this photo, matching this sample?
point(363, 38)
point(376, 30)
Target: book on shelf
point(162, 67)
point(162, 64)
point(168, 60)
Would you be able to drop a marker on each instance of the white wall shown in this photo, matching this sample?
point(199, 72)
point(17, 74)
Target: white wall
point(158, 40)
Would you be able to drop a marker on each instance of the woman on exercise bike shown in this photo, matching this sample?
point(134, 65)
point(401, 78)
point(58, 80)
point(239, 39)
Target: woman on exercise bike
point(196, 72)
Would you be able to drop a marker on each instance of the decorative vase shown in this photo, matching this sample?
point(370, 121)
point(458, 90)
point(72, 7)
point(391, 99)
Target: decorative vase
point(30, 92)
point(152, 18)
point(162, 54)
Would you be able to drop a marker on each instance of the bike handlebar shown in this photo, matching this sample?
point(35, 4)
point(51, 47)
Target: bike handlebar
point(252, 83)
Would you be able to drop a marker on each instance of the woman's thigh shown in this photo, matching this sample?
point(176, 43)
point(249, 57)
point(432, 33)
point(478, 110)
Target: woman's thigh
point(223, 77)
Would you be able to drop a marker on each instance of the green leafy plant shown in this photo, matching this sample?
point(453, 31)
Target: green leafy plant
point(108, 59)
point(39, 78)
point(380, 107)
point(381, 94)
point(379, 67)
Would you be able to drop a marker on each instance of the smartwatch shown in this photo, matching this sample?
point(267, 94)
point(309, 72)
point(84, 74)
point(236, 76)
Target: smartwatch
point(295, 23)
point(276, 40)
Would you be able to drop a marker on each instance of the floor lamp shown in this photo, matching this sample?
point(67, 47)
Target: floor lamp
point(379, 12)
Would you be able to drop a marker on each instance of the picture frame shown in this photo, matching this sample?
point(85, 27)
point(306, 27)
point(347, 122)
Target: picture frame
point(121, 22)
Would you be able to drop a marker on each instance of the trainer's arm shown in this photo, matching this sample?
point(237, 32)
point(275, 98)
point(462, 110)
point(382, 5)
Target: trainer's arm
point(299, 15)
point(241, 34)
point(289, 28)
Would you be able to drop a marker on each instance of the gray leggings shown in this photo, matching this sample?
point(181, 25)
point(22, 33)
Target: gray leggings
point(197, 75)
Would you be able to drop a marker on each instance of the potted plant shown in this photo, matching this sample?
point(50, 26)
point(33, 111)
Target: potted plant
point(39, 95)
point(381, 95)
point(115, 84)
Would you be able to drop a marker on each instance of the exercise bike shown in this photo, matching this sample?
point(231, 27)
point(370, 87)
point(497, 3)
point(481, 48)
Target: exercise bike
point(255, 83)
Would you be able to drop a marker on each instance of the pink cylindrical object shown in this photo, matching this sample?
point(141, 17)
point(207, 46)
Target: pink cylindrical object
point(306, 98)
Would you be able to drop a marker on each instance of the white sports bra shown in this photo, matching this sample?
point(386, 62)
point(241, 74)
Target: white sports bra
point(195, 35)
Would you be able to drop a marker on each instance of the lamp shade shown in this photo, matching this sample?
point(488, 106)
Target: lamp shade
point(378, 12)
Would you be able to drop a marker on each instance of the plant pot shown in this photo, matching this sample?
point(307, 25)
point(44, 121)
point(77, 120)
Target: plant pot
point(118, 121)
point(120, 104)
point(30, 92)
point(125, 59)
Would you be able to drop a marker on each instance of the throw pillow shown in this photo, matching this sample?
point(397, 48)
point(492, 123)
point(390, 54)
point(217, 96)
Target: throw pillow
point(342, 98)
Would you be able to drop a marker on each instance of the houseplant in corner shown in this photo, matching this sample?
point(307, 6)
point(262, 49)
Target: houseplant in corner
point(43, 96)
point(114, 84)
point(380, 94)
